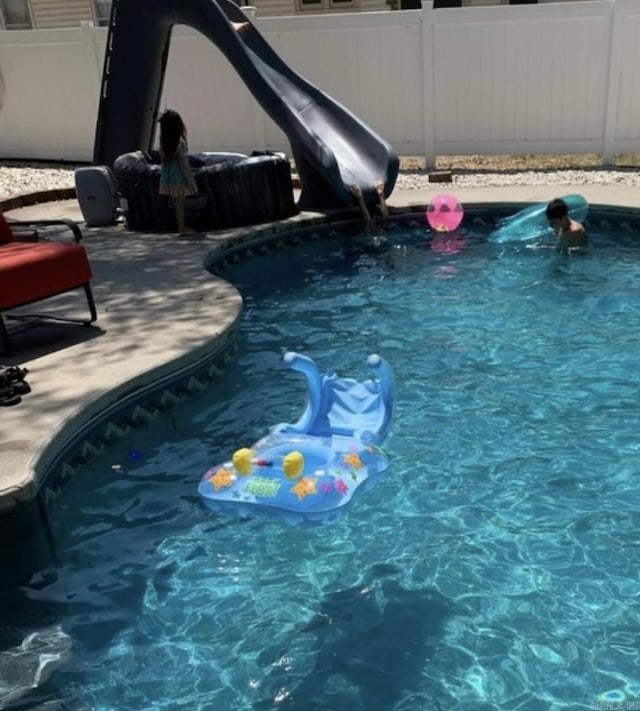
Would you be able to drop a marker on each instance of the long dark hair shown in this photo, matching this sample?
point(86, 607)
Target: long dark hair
point(172, 129)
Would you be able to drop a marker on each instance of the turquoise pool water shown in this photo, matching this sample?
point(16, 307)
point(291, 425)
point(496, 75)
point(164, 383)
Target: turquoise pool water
point(496, 565)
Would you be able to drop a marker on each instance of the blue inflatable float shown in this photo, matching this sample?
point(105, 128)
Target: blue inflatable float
point(532, 223)
point(306, 473)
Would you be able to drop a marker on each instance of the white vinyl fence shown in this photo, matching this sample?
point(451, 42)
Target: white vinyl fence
point(520, 79)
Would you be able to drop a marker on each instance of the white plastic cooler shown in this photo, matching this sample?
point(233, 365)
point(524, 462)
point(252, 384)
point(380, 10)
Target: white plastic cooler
point(96, 194)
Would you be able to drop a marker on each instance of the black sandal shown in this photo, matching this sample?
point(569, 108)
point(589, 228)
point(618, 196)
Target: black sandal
point(13, 372)
point(21, 387)
point(12, 379)
point(8, 397)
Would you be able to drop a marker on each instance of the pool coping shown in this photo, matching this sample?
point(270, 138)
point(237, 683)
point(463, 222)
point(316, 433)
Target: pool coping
point(84, 430)
point(148, 385)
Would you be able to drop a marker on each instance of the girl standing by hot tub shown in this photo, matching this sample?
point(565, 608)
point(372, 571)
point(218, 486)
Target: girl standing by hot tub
point(176, 179)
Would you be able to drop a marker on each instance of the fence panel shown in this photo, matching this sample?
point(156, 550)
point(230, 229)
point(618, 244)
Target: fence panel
point(50, 96)
point(369, 62)
point(215, 104)
point(520, 79)
point(625, 112)
point(546, 78)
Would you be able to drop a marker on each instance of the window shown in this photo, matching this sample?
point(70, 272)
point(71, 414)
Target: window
point(325, 5)
point(103, 12)
point(16, 14)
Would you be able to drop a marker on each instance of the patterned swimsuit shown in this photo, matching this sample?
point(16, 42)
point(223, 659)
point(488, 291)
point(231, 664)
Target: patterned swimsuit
point(172, 180)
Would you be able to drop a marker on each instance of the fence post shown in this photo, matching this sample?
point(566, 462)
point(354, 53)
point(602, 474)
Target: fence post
point(94, 62)
point(428, 99)
point(619, 11)
point(92, 69)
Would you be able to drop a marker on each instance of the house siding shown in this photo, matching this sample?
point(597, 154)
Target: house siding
point(373, 5)
point(273, 8)
point(60, 13)
point(282, 8)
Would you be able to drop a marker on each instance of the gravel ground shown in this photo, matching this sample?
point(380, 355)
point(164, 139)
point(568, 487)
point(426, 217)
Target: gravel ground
point(23, 178)
point(468, 171)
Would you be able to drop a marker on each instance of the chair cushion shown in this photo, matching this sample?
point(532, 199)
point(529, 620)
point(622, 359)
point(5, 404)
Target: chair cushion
point(33, 271)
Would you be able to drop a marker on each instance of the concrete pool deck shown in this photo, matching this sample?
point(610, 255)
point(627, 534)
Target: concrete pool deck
point(159, 312)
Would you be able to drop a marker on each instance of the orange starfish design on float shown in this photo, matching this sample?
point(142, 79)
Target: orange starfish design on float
point(353, 459)
point(222, 478)
point(304, 487)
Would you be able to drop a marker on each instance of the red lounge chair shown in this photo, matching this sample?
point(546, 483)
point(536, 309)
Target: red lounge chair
point(31, 270)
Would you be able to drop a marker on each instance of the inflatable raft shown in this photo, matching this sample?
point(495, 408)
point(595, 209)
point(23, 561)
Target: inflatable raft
point(531, 223)
point(306, 473)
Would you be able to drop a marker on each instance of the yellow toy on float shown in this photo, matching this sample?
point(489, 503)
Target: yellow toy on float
point(243, 461)
point(293, 464)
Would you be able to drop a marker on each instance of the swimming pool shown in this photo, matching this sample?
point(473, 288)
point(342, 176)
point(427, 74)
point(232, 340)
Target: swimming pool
point(493, 568)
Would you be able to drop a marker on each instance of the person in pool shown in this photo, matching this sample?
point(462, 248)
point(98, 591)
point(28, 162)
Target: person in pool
point(569, 233)
point(384, 209)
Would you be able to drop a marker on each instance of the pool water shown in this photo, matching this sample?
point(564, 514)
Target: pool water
point(494, 567)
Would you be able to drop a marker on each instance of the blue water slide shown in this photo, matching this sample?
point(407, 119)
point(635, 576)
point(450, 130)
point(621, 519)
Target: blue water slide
point(343, 406)
point(333, 149)
point(531, 223)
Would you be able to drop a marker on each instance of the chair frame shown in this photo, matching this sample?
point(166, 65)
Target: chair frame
point(5, 339)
